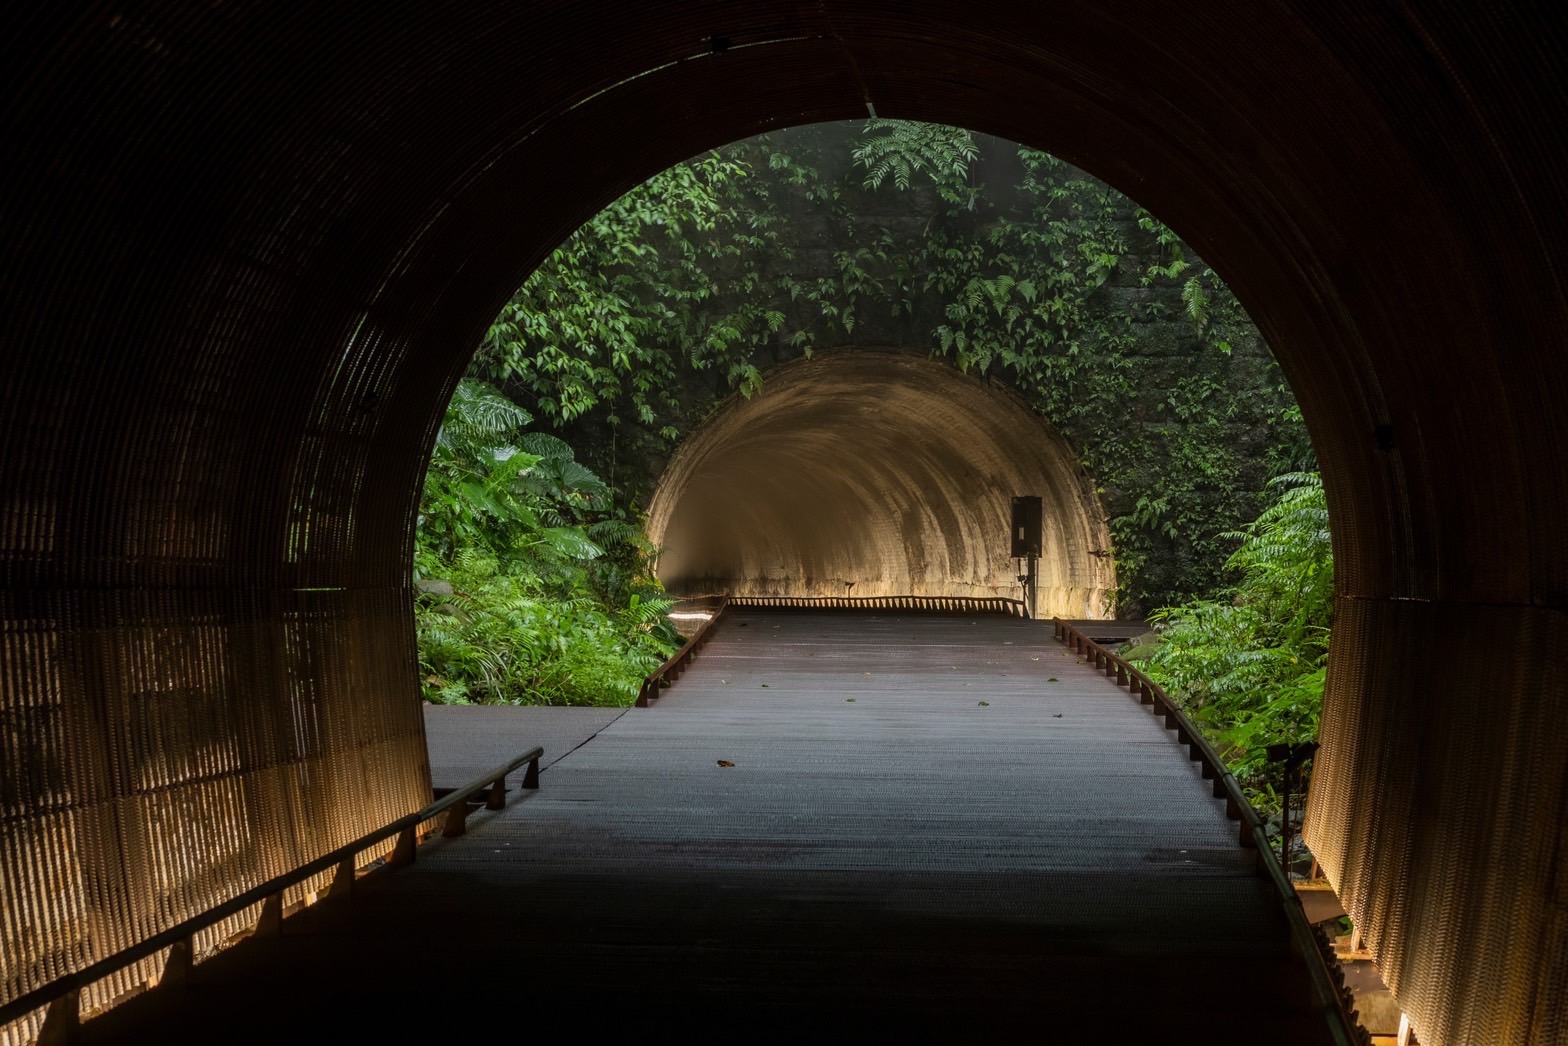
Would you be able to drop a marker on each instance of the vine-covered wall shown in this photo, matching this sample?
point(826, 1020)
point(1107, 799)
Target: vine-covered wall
point(1001, 260)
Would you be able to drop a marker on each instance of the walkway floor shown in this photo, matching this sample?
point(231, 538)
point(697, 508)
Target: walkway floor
point(932, 825)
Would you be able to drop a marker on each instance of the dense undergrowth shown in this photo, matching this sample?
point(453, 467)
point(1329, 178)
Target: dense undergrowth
point(533, 587)
point(1248, 665)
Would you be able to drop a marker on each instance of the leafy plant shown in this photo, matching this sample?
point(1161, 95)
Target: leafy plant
point(898, 150)
point(1249, 665)
point(533, 589)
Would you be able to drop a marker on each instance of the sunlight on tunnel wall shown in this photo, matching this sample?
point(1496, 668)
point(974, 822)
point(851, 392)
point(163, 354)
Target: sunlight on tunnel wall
point(874, 473)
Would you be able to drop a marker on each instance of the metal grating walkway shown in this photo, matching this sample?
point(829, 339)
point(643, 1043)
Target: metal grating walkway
point(921, 833)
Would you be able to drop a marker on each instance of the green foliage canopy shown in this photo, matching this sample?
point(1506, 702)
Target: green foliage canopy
point(533, 588)
point(689, 287)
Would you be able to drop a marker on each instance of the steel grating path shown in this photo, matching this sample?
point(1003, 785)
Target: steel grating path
point(922, 832)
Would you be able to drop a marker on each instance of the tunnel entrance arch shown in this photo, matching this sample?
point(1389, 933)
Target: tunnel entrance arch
point(249, 253)
point(875, 472)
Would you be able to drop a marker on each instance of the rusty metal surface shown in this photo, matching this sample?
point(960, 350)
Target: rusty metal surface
point(920, 832)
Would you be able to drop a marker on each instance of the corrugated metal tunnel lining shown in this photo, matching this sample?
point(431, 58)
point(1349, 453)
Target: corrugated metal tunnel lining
point(249, 250)
point(874, 473)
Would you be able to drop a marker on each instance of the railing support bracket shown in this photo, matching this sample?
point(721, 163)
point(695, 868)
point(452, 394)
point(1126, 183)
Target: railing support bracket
point(342, 881)
point(403, 852)
point(456, 821)
point(62, 1021)
point(270, 922)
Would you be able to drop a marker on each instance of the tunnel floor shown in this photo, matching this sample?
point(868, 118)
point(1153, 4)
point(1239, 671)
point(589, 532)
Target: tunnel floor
point(922, 834)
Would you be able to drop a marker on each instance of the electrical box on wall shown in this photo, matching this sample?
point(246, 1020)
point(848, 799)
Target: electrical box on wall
point(1028, 521)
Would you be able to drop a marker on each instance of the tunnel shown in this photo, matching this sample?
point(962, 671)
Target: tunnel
point(865, 473)
point(250, 250)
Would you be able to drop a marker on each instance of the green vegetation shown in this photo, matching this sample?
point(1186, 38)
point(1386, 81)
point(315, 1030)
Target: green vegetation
point(532, 587)
point(1248, 665)
point(1001, 259)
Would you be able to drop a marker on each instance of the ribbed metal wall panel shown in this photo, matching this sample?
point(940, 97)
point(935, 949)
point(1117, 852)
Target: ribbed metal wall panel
point(1445, 723)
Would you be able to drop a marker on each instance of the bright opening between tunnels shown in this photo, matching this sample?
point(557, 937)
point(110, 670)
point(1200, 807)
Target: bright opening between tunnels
point(822, 363)
point(862, 473)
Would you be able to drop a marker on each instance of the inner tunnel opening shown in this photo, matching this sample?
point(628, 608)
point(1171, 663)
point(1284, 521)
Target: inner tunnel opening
point(824, 362)
point(875, 472)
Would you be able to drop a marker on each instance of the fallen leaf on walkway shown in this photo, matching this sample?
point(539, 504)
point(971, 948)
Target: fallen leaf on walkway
point(764, 686)
point(1056, 715)
point(725, 762)
point(849, 700)
point(1053, 679)
point(985, 704)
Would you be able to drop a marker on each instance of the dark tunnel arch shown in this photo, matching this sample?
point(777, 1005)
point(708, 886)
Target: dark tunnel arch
point(877, 473)
point(249, 252)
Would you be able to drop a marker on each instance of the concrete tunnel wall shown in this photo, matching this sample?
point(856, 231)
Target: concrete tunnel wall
point(873, 473)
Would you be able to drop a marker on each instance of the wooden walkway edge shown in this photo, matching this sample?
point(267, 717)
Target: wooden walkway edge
point(927, 824)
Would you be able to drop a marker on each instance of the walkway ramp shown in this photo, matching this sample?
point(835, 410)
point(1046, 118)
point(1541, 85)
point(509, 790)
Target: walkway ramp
point(932, 824)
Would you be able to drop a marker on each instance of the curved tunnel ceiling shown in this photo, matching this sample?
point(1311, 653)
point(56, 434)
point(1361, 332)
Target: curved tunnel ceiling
point(250, 248)
point(873, 473)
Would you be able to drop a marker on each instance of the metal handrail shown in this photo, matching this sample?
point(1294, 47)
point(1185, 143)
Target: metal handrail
point(670, 671)
point(965, 604)
point(1331, 995)
point(270, 893)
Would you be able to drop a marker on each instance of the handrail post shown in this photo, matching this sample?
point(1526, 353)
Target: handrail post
point(531, 778)
point(177, 967)
point(456, 820)
point(270, 922)
point(496, 799)
point(403, 852)
point(62, 1020)
point(342, 881)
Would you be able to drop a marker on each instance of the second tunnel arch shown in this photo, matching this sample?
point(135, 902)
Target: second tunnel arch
point(877, 473)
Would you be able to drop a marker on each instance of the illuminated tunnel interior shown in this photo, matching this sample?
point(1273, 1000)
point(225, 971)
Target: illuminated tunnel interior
point(877, 473)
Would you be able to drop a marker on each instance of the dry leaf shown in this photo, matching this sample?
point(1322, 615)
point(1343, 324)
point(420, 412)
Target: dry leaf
point(725, 762)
